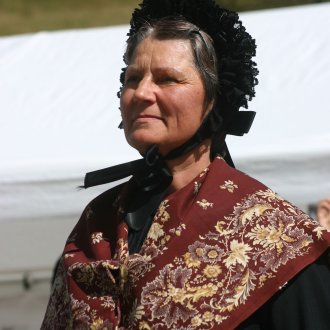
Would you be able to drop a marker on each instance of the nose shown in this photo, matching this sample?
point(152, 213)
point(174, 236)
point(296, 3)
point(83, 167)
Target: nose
point(145, 91)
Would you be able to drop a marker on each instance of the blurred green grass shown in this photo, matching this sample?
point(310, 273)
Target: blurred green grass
point(24, 16)
point(244, 5)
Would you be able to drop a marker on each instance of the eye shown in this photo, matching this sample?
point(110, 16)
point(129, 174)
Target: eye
point(167, 80)
point(131, 79)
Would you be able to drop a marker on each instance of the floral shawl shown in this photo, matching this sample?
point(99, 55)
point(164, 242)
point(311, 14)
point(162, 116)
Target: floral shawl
point(216, 251)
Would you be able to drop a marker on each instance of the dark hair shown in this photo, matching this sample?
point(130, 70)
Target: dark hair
point(178, 28)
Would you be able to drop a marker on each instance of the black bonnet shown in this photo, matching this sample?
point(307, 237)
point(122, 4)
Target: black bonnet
point(233, 45)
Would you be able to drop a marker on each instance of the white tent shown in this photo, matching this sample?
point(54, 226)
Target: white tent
point(59, 118)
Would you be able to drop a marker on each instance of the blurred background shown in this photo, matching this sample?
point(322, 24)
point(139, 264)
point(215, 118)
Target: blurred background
point(59, 66)
point(24, 16)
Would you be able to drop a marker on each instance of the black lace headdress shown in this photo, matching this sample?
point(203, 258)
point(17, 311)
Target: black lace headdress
point(233, 45)
point(236, 78)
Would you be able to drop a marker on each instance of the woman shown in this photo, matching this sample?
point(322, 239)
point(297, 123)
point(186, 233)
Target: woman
point(189, 242)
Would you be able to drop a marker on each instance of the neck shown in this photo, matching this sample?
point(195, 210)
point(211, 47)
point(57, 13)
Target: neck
point(185, 168)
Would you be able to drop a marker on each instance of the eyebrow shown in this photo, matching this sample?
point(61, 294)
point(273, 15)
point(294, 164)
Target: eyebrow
point(168, 70)
point(162, 70)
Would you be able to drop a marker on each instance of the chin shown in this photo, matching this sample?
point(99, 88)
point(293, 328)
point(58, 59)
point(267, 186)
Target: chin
point(141, 146)
point(142, 140)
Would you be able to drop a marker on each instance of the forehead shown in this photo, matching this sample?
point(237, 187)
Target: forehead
point(166, 51)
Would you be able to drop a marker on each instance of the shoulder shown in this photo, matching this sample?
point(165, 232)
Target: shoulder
point(238, 187)
point(246, 190)
point(268, 218)
point(100, 213)
point(302, 303)
point(241, 181)
point(107, 199)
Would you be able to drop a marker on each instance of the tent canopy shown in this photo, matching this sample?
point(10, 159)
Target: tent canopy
point(59, 118)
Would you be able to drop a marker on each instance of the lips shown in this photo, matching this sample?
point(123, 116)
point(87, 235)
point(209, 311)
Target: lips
point(146, 118)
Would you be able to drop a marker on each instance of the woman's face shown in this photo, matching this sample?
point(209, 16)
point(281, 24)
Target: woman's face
point(162, 101)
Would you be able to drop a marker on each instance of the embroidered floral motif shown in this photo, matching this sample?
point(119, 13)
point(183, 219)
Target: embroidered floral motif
point(156, 231)
point(208, 316)
point(96, 278)
point(204, 172)
point(190, 261)
point(135, 314)
point(156, 235)
point(80, 310)
point(172, 298)
point(59, 309)
point(204, 204)
point(212, 271)
point(196, 321)
point(97, 238)
point(318, 230)
point(69, 255)
point(219, 227)
point(197, 187)
point(243, 252)
point(254, 211)
point(168, 297)
point(242, 291)
point(107, 302)
point(177, 231)
point(204, 252)
point(138, 265)
point(229, 185)
point(143, 325)
point(238, 254)
point(100, 324)
point(162, 213)
point(269, 195)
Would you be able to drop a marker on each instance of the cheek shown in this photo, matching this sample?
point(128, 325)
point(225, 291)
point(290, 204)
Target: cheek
point(124, 106)
point(191, 111)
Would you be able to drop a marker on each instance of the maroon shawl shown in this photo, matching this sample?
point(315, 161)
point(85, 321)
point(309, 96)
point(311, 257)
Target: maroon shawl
point(216, 251)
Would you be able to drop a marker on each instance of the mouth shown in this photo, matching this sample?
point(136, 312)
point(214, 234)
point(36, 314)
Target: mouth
point(147, 118)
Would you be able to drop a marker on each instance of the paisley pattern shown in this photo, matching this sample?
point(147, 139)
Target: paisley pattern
point(212, 248)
